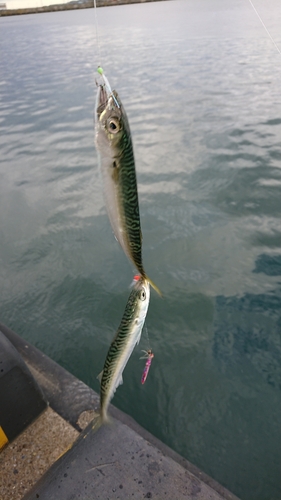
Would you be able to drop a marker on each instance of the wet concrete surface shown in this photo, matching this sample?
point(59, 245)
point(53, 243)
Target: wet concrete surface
point(116, 463)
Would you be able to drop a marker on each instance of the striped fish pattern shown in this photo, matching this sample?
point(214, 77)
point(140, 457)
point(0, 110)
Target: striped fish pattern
point(120, 350)
point(116, 158)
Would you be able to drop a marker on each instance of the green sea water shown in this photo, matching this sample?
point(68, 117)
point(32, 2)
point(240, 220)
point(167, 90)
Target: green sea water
point(200, 82)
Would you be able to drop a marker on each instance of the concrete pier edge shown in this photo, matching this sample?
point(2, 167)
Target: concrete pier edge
point(70, 397)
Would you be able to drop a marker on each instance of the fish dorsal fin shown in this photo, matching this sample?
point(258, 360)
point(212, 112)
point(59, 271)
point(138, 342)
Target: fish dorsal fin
point(99, 376)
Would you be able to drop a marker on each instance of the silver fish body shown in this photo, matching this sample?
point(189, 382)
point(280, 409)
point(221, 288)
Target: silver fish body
point(116, 156)
point(120, 350)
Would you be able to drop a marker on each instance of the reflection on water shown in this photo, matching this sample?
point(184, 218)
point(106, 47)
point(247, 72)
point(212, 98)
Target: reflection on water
point(268, 264)
point(257, 340)
point(247, 353)
point(201, 86)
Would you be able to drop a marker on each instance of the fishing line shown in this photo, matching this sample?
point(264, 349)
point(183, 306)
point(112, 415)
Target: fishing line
point(97, 31)
point(147, 337)
point(265, 27)
point(99, 69)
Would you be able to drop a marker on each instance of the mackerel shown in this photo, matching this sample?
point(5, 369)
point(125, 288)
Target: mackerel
point(116, 158)
point(127, 336)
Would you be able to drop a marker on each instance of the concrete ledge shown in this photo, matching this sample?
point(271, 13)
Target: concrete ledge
point(115, 462)
point(121, 460)
point(67, 395)
point(21, 398)
point(24, 461)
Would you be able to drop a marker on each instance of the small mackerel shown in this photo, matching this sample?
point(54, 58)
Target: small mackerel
point(121, 348)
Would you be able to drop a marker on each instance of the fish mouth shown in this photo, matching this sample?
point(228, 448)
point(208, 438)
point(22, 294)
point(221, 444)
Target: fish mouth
point(102, 99)
point(106, 100)
point(142, 282)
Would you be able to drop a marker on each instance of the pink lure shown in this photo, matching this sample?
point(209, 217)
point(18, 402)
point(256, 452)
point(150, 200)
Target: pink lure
point(149, 357)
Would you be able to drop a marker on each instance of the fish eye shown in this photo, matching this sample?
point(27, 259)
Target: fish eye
point(113, 125)
point(142, 295)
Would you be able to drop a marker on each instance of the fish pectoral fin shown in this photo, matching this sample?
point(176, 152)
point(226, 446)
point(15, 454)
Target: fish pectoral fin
point(138, 337)
point(99, 376)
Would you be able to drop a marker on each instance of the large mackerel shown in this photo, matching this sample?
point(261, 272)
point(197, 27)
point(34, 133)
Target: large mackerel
point(116, 156)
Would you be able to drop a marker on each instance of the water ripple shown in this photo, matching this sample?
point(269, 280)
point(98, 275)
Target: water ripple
point(201, 86)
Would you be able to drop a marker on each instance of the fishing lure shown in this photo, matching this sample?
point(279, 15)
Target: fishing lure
point(107, 85)
point(149, 357)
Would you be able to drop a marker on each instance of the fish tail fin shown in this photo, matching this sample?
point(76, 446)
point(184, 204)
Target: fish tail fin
point(144, 276)
point(154, 286)
point(97, 423)
point(102, 419)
